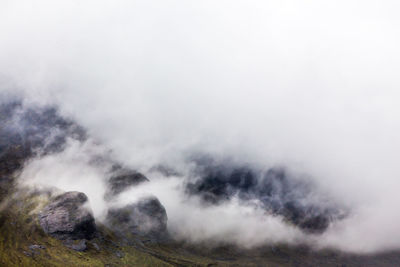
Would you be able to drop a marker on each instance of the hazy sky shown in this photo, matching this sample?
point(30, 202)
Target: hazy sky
point(310, 84)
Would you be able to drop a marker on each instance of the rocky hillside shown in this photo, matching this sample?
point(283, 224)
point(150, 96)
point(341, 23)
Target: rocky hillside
point(49, 227)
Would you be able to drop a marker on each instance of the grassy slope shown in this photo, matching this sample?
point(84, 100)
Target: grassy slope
point(19, 229)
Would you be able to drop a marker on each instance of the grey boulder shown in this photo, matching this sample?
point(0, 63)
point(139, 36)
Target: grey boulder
point(68, 217)
point(147, 217)
point(123, 180)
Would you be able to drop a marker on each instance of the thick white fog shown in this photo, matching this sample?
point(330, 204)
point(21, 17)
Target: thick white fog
point(311, 85)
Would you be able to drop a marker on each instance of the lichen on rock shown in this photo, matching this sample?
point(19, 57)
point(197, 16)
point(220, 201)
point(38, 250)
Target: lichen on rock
point(67, 216)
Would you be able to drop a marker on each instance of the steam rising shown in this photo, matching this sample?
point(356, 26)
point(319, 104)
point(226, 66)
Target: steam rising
point(303, 84)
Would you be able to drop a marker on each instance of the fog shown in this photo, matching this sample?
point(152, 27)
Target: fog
point(310, 85)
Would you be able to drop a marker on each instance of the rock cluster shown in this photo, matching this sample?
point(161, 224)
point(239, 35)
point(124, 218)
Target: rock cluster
point(28, 131)
point(145, 217)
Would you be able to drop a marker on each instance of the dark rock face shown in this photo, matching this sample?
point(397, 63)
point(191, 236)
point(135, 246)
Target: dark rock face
point(35, 128)
point(26, 132)
point(66, 217)
point(122, 180)
point(147, 217)
point(275, 189)
point(12, 149)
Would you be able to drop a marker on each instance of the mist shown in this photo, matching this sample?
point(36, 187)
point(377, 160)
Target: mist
point(308, 85)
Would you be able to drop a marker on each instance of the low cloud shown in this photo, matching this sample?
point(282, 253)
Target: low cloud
point(305, 85)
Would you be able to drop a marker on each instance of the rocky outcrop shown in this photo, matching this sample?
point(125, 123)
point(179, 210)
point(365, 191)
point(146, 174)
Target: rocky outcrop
point(29, 131)
point(122, 180)
point(26, 132)
point(35, 130)
point(68, 217)
point(147, 217)
point(275, 190)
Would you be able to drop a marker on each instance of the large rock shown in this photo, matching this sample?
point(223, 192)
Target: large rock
point(147, 217)
point(122, 180)
point(68, 217)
